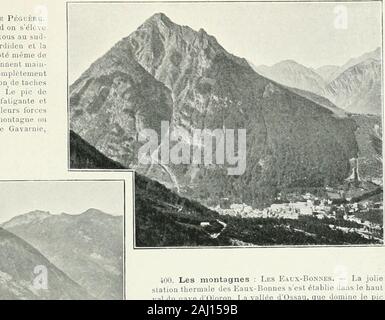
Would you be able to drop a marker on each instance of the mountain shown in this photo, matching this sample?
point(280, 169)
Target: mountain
point(164, 71)
point(87, 247)
point(293, 74)
point(329, 72)
point(114, 99)
point(358, 89)
point(371, 55)
point(18, 260)
point(165, 219)
point(370, 168)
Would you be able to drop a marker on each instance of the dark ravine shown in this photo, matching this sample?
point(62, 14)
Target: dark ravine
point(164, 71)
point(84, 156)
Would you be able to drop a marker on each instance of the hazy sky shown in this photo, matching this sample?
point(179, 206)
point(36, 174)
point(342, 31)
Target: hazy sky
point(264, 33)
point(72, 197)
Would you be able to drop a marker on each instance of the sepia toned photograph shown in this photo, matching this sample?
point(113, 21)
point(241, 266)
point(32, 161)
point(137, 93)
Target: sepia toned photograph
point(62, 240)
point(247, 124)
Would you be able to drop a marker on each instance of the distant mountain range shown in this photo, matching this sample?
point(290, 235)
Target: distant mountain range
point(328, 73)
point(298, 137)
point(293, 74)
point(87, 248)
point(354, 86)
point(167, 72)
point(358, 89)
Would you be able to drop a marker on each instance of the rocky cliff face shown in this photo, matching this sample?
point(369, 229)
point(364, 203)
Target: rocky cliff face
point(291, 141)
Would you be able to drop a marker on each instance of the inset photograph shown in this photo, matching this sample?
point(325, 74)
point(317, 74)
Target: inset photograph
point(62, 240)
point(248, 124)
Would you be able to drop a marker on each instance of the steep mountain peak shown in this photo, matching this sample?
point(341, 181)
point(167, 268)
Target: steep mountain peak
point(29, 217)
point(361, 67)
